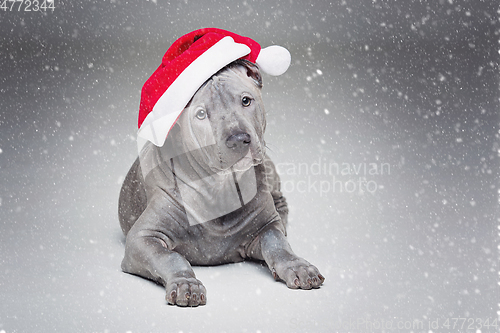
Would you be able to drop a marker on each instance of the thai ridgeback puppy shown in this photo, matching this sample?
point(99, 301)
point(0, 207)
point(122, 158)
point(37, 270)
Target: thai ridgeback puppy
point(210, 195)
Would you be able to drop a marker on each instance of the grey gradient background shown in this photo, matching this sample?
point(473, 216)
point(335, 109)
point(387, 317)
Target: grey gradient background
point(413, 84)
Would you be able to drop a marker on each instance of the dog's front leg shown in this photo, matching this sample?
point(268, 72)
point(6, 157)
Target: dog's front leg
point(296, 272)
point(148, 255)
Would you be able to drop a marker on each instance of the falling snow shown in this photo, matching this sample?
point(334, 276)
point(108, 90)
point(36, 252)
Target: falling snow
point(413, 87)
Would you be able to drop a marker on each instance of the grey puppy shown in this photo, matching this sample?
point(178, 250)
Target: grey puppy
point(210, 195)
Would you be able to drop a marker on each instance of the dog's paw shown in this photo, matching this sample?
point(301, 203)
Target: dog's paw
point(298, 273)
point(186, 291)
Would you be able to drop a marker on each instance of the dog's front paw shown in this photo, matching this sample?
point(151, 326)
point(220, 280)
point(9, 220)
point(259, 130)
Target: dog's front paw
point(297, 273)
point(186, 291)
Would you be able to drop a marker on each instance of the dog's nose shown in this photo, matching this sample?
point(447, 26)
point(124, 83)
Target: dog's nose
point(238, 141)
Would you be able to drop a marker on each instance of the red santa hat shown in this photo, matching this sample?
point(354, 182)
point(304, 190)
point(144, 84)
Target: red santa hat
point(187, 64)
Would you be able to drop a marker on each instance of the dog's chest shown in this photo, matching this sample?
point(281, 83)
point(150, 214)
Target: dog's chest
point(225, 239)
point(214, 196)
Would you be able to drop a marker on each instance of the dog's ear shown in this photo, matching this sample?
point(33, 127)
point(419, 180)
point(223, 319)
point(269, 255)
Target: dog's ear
point(252, 70)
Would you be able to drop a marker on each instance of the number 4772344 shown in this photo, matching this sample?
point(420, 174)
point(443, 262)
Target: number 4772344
point(27, 5)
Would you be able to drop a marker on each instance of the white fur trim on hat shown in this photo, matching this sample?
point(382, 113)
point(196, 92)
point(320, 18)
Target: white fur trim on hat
point(170, 105)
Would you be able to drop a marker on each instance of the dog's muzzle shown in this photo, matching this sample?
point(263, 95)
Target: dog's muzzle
point(239, 142)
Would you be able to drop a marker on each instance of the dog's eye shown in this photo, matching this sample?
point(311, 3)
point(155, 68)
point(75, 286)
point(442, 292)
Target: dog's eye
point(246, 101)
point(201, 114)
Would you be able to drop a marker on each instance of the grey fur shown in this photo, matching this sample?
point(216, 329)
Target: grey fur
point(172, 200)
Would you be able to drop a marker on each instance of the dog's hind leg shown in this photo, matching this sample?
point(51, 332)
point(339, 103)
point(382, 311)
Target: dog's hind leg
point(133, 200)
point(274, 185)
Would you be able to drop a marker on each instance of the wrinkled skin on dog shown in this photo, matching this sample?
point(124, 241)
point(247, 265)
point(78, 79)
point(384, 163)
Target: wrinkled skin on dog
point(210, 195)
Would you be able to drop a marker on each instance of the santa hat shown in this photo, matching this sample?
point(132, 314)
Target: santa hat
point(187, 64)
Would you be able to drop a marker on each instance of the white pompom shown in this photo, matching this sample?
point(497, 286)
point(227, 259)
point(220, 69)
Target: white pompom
point(274, 60)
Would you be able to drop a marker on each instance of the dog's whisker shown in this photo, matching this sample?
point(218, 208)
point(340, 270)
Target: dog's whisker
point(267, 147)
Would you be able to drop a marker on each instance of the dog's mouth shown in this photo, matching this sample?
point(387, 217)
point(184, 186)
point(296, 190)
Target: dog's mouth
point(243, 164)
point(246, 162)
